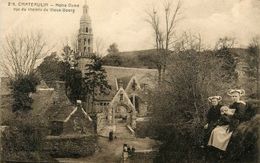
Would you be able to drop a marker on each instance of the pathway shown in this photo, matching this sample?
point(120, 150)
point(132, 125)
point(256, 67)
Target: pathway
point(111, 152)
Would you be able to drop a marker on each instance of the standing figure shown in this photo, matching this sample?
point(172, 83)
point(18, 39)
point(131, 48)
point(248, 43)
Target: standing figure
point(213, 116)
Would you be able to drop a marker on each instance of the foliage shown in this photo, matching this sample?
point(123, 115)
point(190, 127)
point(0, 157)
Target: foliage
point(253, 62)
point(113, 49)
point(23, 139)
point(223, 51)
point(95, 81)
point(179, 105)
point(243, 145)
point(22, 86)
point(113, 60)
point(76, 146)
point(74, 85)
point(52, 68)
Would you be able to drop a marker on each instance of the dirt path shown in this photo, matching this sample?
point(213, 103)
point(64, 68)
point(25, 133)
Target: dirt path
point(110, 152)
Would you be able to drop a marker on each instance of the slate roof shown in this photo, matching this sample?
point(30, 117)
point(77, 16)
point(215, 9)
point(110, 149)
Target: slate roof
point(125, 80)
point(114, 74)
point(61, 113)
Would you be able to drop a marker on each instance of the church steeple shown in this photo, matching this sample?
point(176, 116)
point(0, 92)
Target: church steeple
point(85, 36)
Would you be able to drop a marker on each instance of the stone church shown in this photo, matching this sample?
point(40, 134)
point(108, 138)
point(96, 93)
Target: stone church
point(127, 102)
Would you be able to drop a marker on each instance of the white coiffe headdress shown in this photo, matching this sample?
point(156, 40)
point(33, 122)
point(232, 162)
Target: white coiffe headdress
point(240, 91)
point(219, 98)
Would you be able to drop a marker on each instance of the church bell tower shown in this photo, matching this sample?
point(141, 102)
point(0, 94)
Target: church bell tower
point(85, 36)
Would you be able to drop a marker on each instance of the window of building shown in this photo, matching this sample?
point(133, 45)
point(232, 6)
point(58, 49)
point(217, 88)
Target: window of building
point(87, 29)
point(121, 97)
point(84, 49)
point(85, 41)
point(88, 41)
point(134, 85)
point(88, 49)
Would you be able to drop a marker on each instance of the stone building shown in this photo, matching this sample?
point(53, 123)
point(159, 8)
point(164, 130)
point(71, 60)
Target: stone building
point(127, 102)
point(128, 98)
point(62, 116)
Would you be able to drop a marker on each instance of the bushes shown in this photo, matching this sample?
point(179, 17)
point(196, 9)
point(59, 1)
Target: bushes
point(180, 142)
point(23, 142)
point(243, 144)
point(22, 86)
point(70, 146)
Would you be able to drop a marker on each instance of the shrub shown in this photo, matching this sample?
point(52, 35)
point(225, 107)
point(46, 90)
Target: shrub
point(70, 146)
point(23, 142)
point(22, 85)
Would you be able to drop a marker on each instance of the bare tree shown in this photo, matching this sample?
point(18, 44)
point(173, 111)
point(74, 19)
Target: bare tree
point(154, 20)
point(21, 53)
point(164, 30)
point(100, 47)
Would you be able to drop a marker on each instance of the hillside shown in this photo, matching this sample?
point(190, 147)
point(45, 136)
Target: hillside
point(148, 58)
point(137, 59)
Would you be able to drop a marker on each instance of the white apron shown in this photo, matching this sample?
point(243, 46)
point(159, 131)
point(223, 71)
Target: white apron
point(220, 137)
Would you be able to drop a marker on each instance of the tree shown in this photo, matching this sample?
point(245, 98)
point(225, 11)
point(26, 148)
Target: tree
point(75, 89)
point(100, 47)
point(21, 53)
point(164, 33)
point(179, 107)
point(113, 49)
point(253, 63)
point(113, 58)
point(22, 86)
point(223, 51)
point(52, 68)
point(95, 81)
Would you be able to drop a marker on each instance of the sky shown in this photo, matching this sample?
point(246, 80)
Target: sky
point(123, 21)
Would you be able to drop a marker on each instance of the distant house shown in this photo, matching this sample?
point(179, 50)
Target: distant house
point(63, 117)
point(70, 120)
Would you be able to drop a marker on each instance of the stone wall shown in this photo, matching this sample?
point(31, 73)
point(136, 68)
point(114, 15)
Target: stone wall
point(101, 121)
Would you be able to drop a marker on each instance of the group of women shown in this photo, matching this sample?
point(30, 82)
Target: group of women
point(222, 120)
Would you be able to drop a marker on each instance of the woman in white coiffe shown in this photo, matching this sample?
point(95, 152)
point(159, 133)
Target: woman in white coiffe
point(220, 136)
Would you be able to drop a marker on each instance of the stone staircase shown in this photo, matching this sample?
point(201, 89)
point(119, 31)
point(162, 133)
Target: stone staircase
point(123, 132)
point(120, 131)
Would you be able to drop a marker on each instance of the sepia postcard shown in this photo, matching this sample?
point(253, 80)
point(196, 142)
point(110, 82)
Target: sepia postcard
point(151, 81)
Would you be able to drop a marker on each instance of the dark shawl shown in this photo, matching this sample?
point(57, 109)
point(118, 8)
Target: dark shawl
point(213, 114)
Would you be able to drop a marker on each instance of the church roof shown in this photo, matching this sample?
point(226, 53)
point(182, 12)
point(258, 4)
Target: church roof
point(123, 80)
point(114, 74)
